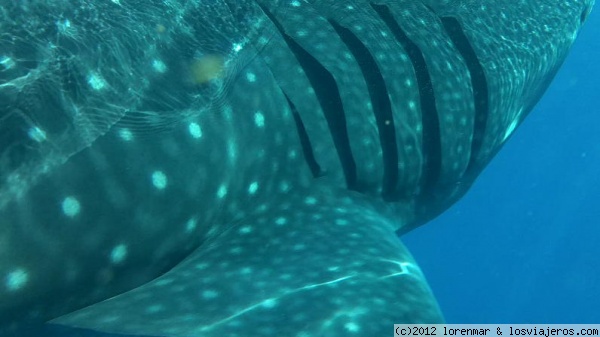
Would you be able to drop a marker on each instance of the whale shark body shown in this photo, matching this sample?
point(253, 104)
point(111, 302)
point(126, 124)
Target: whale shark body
point(244, 168)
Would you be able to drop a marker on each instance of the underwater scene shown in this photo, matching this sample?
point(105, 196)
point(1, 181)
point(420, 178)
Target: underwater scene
point(296, 167)
point(522, 245)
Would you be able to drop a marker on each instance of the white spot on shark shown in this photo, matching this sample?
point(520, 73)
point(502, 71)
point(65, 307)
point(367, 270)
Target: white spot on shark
point(159, 180)
point(16, 279)
point(232, 150)
point(352, 327)
point(245, 230)
point(195, 130)
point(7, 62)
point(222, 192)
point(118, 254)
point(284, 186)
point(126, 135)
point(95, 81)
point(237, 47)
point(310, 201)
point(259, 119)
point(253, 187)
point(269, 303)
point(298, 247)
point(154, 308)
point(210, 294)
point(37, 134)
point(246, 271)
point(341, 222)
point(71, 206)
point(64, 26)
point(159, 66)
point(190, 225)
point(251, 77)
point(201, 265)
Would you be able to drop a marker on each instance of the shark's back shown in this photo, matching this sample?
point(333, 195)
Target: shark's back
point(249, 163)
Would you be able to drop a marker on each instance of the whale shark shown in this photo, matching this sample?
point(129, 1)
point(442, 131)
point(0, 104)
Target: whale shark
point(247, 167)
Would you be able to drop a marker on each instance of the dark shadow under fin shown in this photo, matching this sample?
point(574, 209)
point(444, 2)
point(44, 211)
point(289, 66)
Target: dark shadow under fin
point(320, 263)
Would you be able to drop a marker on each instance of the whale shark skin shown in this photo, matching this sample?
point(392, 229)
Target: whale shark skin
point(244, 168)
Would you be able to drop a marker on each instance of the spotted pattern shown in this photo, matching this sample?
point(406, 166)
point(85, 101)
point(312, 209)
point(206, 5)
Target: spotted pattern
point(222, 192)
point(159, 180)
point(122, 197)
point(253, 187)
point(345, 292)
point(126, 134)
point(195, 130)
point(120, 165)
point(118, 254)
point(71, 206)
point(259, 119)
point(37, 134)
point(16, 280)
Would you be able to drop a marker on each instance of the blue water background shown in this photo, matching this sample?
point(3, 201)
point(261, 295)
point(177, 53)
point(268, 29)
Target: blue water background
point(523, 246)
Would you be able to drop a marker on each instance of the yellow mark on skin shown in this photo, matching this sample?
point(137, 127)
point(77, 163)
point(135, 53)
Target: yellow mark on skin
point(207, 68)
point(160, 28)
